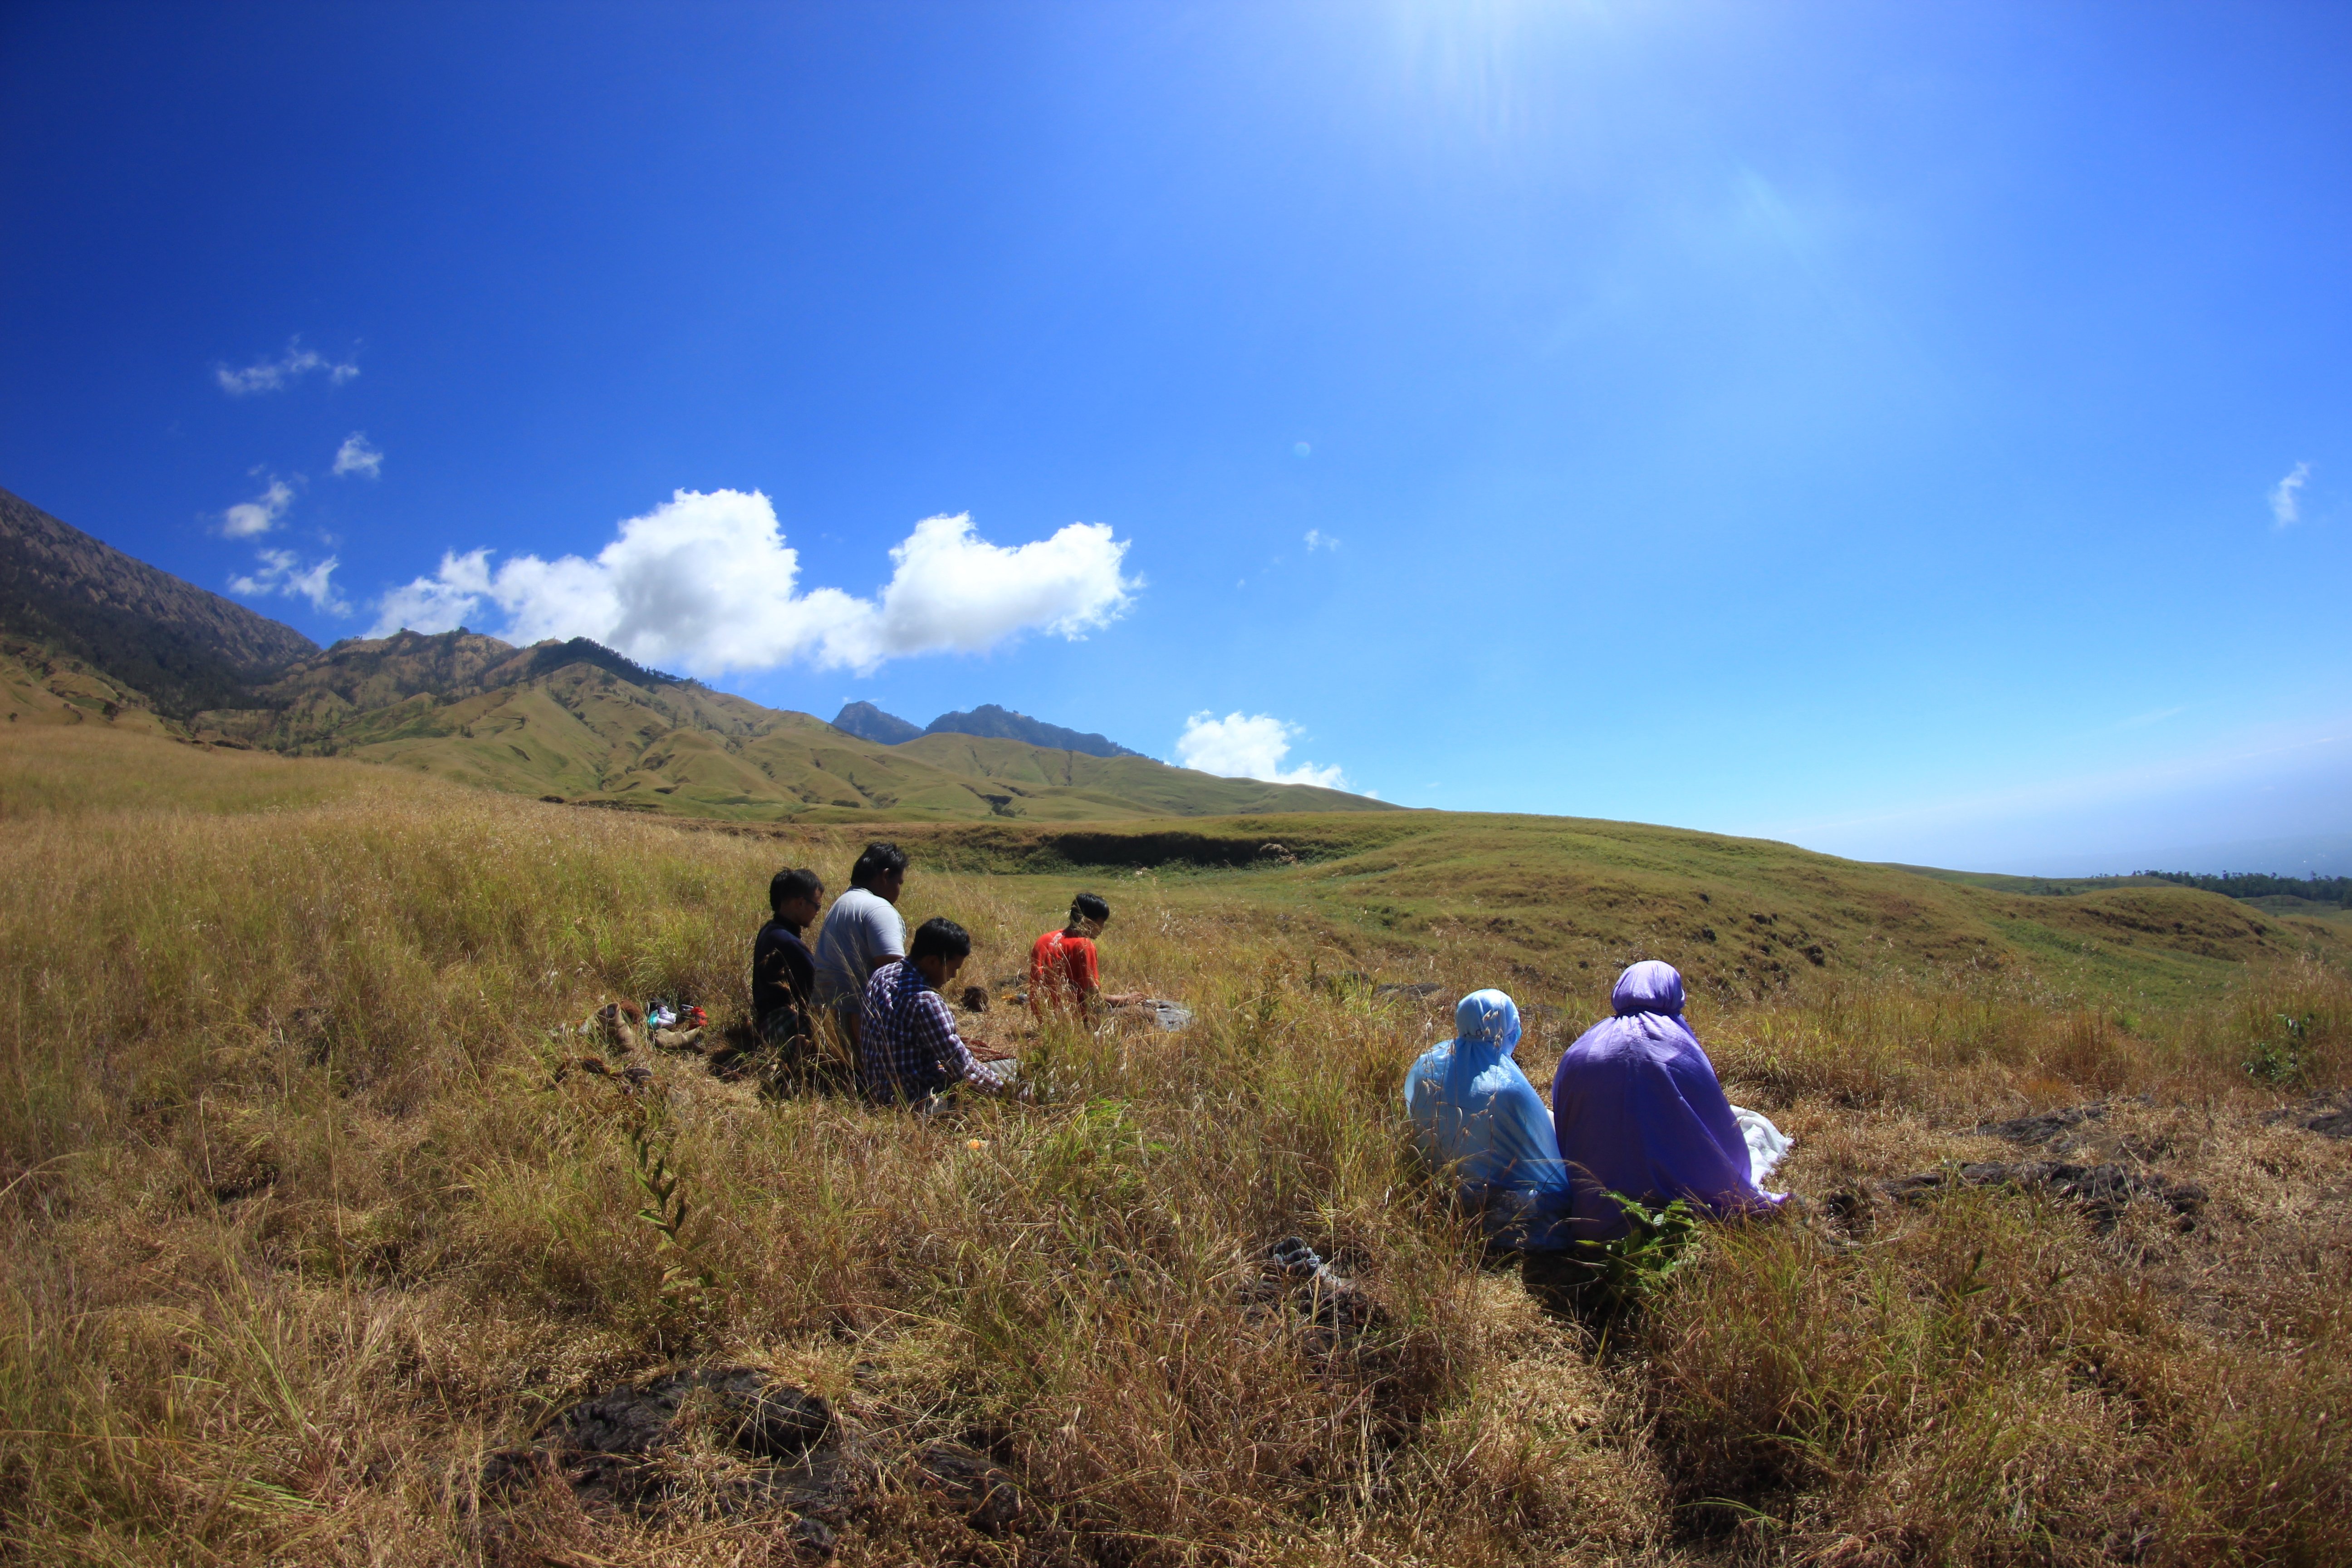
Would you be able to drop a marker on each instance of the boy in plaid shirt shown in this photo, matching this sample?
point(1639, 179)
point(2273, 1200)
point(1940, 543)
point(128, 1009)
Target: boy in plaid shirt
point(908, 1049)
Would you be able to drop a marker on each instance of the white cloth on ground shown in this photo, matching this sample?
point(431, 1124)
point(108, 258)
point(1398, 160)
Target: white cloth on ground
point(1767, 1144)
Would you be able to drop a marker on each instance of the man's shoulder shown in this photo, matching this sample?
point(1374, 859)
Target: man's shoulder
point(935, 1006)
point(856, 910)
point(866, 908)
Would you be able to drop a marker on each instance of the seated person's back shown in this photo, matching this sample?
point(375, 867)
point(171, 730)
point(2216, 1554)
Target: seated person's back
point(862, 932)
point(784, 971)
point(1476, 1115)
point(1064, 973)
point(1638, 1110)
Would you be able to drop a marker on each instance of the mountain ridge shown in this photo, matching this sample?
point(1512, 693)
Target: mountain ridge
point(573, 720)
point(577, 721)
point(182, 648)
point(988, 720)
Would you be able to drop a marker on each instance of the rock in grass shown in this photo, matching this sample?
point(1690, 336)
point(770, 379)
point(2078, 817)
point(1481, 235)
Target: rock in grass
point(2102, 1191)
point(802, 1470)
point(769, 1419)
point(993, 1499)
point(2329, 1116)
point(2032, 1131)
point(602, 1447)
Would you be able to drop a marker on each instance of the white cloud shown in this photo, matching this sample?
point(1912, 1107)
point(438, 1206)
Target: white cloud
point(705, 582)
point(259, 515)
point(1248, 746)
point(1317, 539)
point(440, 602)
point(2286, 501)
point(357, 455)
point(281, 572)
point(270, 374)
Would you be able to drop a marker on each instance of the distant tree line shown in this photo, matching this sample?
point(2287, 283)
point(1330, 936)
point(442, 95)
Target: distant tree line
point(2257, 885)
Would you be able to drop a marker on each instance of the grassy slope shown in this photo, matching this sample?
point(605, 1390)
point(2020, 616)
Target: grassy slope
point(2051, 887)
point(1069, 787)
point(301, 1219)
point(39, 685)
point(594, 728)
point(1553, 902)
point(2287, 904)
point(1556, 901)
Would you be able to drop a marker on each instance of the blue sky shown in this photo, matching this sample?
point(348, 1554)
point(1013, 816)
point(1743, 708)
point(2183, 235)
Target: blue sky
point(1917, 432)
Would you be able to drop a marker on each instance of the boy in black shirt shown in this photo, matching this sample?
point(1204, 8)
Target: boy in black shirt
point(784, 971)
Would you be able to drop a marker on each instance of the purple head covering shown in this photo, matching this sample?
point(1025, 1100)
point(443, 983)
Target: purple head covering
point(1649, 986)
point(1639, 1111)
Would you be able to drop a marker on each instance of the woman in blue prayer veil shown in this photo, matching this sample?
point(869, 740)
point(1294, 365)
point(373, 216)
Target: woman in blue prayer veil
point(1478, 1117)
point(1639, 1111)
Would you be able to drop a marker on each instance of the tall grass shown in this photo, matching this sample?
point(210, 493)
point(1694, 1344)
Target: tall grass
point(306, 1209)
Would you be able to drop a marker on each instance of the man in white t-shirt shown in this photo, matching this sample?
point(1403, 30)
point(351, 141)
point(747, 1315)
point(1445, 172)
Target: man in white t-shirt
point(861, 932)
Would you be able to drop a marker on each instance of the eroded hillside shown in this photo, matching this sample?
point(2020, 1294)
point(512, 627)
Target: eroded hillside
point(577, 721)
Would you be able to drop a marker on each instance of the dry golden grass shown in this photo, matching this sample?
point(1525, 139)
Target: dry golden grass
point(301, 1220)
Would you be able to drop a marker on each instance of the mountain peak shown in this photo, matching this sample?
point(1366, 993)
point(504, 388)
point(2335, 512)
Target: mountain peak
point(868, 722)
point(987, 722)
point(990, 721)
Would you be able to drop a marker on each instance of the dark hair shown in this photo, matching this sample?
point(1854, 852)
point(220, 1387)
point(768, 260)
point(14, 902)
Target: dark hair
point(786, 886)
point(879, 860)
point(1089, 907)
point(941, 937)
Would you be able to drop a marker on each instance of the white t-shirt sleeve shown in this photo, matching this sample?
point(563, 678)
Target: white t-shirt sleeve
point(889, 930)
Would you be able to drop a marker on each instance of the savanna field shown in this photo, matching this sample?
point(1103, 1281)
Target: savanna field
point(312, 1206)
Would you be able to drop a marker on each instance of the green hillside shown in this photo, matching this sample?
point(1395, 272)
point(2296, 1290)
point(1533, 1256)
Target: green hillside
point(2043, 887)
point(1549, 899)
point(1549, 906)
point(580, 723)
point(1057, 785)
point(1555, 902)
point(39, 685)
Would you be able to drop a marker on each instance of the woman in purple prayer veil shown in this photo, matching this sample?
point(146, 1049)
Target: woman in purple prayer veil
point(1639, 1111)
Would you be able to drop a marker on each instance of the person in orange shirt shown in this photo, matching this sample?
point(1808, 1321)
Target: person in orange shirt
point(1063, 970)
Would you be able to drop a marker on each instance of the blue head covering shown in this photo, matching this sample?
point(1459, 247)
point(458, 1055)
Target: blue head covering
point(1639, 1111)
point(1475, 1112)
